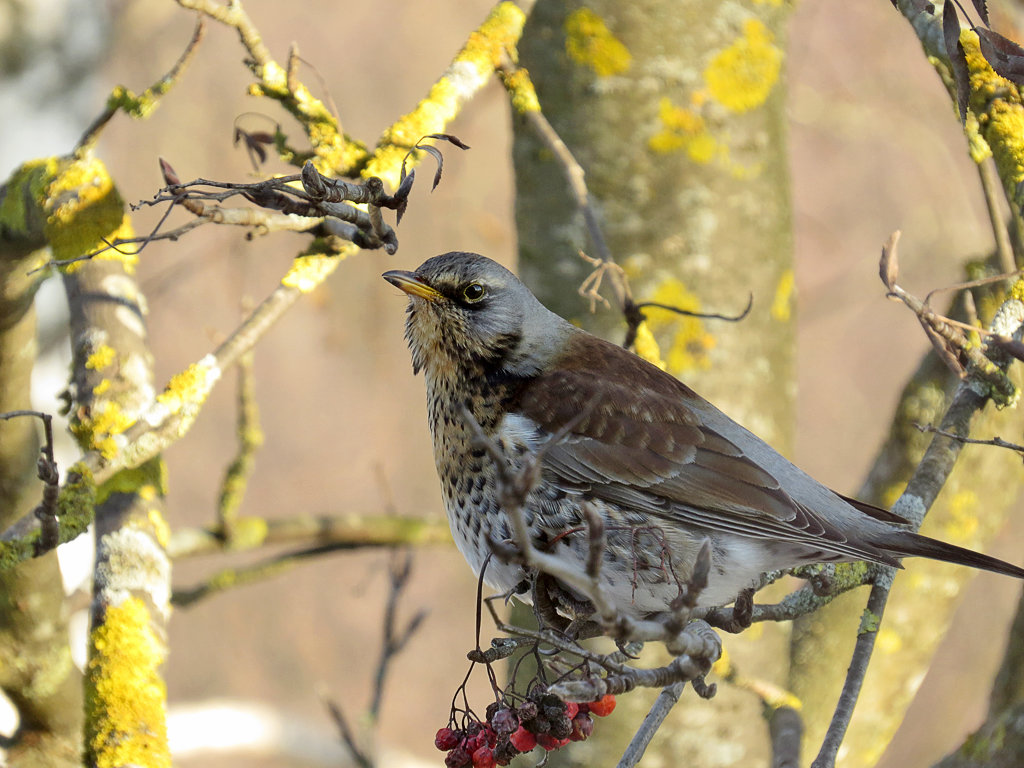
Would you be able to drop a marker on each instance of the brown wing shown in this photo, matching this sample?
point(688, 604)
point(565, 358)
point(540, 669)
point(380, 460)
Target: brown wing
point(639, 440)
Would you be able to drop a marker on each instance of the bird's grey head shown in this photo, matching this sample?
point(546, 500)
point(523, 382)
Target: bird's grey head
point(466, 311)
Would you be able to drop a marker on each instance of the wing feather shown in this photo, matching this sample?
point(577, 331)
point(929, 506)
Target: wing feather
point(638, 439)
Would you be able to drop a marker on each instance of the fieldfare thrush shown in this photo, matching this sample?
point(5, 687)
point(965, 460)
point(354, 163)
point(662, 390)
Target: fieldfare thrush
point(664, 468)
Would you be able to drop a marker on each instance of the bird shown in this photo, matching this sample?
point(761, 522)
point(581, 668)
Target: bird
point(667, 472)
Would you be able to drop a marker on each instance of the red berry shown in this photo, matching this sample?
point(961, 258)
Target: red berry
point(603, 706)
point(522, 739)
point(571, 708)
point(549, 742)
point(483, 757)
point(458, 758)
point(446, 739)
point(582, 727)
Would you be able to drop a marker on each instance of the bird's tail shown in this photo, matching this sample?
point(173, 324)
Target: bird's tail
point(907, 544)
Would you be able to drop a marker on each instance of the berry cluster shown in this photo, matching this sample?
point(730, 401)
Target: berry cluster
point(542, 719)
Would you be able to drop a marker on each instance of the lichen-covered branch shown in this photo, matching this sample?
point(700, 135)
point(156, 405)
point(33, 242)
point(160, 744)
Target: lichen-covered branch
point(36, 672)
point(924, 595)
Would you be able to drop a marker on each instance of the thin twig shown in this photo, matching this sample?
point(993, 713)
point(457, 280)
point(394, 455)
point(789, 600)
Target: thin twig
point(345, 731)
point(250, 438)
point(400, 569)
point(667, 699)
point(996, 442)
point(925, 484)
point(992, 190)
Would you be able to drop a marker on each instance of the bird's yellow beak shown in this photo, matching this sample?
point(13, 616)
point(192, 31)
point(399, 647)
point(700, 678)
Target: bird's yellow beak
point(412, 284)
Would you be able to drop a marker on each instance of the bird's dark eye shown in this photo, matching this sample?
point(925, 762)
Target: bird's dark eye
point(474, 292)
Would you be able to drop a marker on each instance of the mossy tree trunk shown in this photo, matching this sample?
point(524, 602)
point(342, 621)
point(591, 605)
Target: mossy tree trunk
point(675, 112)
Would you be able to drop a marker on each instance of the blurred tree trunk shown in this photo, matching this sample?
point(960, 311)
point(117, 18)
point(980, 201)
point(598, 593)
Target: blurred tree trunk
point(675, 112)
point(36, 671)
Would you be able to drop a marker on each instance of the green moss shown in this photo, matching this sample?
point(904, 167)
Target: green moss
point(148, 480)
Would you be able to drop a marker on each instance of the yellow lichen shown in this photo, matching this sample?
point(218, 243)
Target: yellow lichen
point(741, 76)
point(782, 304)
point(589, 42)
point(520, 88)
point(309, 271)
point(1017, 290)
point(469, 70)
point(247, 533)
point(723, 665)
point(187, 389)
point(84, 211)
point(682, 129)
point(962, 524)
point(96, 430)
point(161, 530)
point(888, 640)
point(891, 493)
point(149, 480)
point(996, 104)
point(100, 357)
point(26, 191)
point(646, 347)
point(126, 720)
point(689, 342)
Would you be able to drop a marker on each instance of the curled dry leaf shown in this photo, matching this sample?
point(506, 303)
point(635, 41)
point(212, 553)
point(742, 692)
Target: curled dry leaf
point(889, 265)
point(1002, 54)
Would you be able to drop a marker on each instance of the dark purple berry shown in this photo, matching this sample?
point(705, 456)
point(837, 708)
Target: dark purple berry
point(527, 710)
point(561, 727)
point(582, 727)
point(458, 758)
point(504, 721)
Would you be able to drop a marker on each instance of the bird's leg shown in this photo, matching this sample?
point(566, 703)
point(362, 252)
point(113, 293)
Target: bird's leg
point(738, 617)
point(544, 607)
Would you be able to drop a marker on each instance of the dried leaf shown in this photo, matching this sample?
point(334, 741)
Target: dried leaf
point(402, 195)
point(957, 58)
point(449, 138)
point(981, 6)
point(1002, 54)
point(889, 265)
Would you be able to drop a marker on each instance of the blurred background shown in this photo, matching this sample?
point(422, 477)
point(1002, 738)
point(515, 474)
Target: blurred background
point(874, 146)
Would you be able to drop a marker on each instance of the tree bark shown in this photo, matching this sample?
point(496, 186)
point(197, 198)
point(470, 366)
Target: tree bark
point(675, 112)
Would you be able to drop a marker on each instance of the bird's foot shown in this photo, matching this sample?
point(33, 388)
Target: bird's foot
point(737, 618)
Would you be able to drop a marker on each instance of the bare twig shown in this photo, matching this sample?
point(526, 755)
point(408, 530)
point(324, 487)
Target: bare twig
point(142, 105)
point(924, 486)
point(996, 442)
point(353, 531)
point(345, 731)
point(400, 569)
point(655, 717)
point(46, 467)
point(250, 438)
